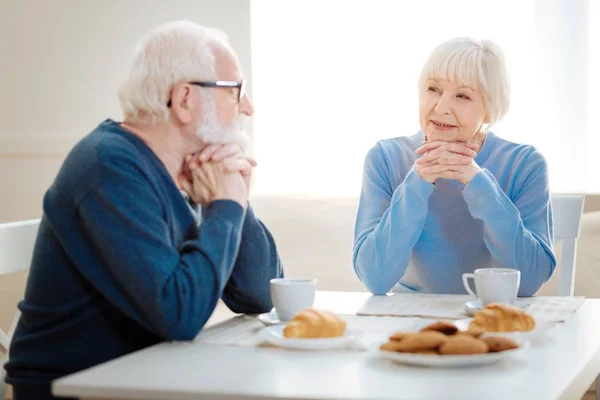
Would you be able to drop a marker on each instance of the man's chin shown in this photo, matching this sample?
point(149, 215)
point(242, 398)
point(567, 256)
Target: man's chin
point(240, 138)
point(243, 141)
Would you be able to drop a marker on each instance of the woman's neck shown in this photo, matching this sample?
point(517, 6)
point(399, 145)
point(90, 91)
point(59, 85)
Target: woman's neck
point(478, 139)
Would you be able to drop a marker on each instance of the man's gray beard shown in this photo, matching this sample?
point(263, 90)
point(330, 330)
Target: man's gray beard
point(211, 131)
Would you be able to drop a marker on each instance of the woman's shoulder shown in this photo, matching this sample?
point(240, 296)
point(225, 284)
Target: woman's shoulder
point(508, 145)
point(501, 148)
point(401, 147)
point(392, 158)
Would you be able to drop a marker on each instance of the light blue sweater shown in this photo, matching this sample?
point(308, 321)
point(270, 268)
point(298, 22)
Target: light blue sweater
point(423, 237)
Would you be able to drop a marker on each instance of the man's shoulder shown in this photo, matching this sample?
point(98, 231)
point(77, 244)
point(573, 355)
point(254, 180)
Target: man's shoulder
point(107, 143)
point(107, 147)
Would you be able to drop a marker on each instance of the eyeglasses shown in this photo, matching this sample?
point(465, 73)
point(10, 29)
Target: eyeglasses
point(241, 86)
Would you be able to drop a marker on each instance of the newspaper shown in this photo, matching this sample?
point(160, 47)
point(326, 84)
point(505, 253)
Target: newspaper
point(448, 306)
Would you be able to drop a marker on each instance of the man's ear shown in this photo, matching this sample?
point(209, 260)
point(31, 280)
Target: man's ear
point(182, 103)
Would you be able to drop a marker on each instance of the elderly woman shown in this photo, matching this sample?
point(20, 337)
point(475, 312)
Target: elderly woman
point(454, 197)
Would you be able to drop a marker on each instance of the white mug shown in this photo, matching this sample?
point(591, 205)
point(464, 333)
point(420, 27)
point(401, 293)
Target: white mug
point(494, 285)
point(292, 295)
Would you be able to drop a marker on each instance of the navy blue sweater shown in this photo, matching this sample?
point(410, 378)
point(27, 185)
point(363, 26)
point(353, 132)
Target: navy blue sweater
point(120, 263)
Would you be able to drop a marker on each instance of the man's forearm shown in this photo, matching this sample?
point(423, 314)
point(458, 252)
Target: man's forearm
point(257, 263)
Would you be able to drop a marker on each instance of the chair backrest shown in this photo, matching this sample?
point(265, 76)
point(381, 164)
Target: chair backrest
point(567, 212)
point(16, 245)
point(17, 240)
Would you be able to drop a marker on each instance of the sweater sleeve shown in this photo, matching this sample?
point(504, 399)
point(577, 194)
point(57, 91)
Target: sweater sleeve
point(248, 288)
point(518, 232)
point(388, 223)
point(171, 291)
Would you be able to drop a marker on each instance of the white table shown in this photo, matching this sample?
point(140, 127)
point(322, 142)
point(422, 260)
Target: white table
point(561, 368)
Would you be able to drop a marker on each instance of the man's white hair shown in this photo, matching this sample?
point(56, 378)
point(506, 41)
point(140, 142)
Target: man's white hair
point(473, 63)
point(179, 51)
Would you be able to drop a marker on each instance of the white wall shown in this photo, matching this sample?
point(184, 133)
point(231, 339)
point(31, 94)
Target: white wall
point(60, 65)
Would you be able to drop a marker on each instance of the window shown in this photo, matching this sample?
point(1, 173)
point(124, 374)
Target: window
point(332, 77)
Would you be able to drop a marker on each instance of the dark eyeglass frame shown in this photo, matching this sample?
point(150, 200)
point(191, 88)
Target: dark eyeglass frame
point(223, 85)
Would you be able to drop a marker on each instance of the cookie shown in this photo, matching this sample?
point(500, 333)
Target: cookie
point(444, 327)
point(463, 344)
point(427, 352)
point(429, 340)
point(398, 336)
point(391, 346)
point(473, 331)
point(499, 343)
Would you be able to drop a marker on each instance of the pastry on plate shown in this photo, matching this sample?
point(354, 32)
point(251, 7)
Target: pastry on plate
point(428, 340)
point(499, 343)
point(447, 328)
point(473, 331)
point(443, 340)
point(398, 336)
point(392, 345)
point(463, 344)
point(498, 317)
point(311, 323)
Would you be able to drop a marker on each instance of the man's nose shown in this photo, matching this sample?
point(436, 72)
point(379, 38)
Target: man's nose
point(246, 106)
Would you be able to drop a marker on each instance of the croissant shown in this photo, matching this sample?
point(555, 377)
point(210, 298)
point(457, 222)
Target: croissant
point(496, 317)
point(311, 323)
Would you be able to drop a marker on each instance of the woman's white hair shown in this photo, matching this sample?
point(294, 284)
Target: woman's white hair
point(179, 51)
point(473, 63)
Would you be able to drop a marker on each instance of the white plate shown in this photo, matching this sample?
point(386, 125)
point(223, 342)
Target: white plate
point(270, 318)
point(471, 307)
point(274, 335)
point(541, 329)
point(433, 360)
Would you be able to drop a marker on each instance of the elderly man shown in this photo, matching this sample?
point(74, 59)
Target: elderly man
point(120, 261)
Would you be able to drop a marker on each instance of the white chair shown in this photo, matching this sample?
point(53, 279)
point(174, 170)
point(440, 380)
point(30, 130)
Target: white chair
point(567, 211)
point(17, 240)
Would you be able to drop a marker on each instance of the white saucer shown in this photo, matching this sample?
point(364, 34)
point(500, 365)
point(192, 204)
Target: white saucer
point(270, 318)
point(471, 307)
point(274, 335)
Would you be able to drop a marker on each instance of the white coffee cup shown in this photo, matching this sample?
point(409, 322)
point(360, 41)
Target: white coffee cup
point(494, 285)
point(292, 295)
